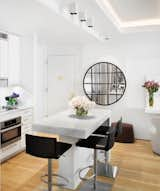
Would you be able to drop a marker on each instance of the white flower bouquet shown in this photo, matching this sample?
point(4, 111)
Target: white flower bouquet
point(81, 105)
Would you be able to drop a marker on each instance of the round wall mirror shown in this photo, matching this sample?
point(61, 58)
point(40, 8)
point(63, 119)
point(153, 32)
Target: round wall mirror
point(104, 83)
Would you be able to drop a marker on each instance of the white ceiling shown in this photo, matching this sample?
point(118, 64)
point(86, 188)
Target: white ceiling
point(132, 15)
point(26, 17)
point(131, 10)
point(111, 18)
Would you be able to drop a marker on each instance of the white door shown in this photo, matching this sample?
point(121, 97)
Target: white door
point(61, 75)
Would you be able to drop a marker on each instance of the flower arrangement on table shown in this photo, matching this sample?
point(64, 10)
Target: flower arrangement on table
point(81, 105)
point(151, 87)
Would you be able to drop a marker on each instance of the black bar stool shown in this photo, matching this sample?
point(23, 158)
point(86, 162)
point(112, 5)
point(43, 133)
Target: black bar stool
point(49, 148)
point(106, 129)
point(106, 169)
point(96, 142)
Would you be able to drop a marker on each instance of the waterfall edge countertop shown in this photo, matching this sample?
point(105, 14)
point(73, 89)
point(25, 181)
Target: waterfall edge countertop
point(66, 124)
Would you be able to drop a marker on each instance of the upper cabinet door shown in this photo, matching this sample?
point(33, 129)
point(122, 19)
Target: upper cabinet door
point(10, 58)
point(3, 58)
point(13, 60)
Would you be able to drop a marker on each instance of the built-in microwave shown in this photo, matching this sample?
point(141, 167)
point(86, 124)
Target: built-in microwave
point(10, 131)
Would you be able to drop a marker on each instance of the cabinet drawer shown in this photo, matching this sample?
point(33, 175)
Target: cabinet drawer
point(8, 150)
point(9, 147)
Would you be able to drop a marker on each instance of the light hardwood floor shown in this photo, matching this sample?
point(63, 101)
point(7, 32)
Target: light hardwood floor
point(139, 170)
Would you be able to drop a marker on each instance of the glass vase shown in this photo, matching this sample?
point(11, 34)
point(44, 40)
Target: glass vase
point(151, 99)
point(81, 112)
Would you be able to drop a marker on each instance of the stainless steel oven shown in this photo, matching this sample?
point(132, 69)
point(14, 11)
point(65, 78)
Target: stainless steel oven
point(10, 131)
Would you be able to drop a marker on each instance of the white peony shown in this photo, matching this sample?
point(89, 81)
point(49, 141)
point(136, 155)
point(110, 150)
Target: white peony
point(81, 102)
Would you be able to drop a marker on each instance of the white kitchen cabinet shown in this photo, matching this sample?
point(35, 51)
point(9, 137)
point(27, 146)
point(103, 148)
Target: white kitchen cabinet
point(10, 59)
point(3, 58)
point(27, 120)
point(13, 60)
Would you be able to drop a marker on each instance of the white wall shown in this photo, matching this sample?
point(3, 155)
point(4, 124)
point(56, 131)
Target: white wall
point(31, 68)
point(137, 57)
point(74, 50)
point(40, 60)
point(33, 59)
point(34, 70)
point(27, 65)
point(67, 66)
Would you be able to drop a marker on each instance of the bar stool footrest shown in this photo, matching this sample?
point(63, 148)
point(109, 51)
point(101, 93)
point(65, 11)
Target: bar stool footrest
point(86, 178)
point(106, 170)
point(100, 186)
point(55, 184)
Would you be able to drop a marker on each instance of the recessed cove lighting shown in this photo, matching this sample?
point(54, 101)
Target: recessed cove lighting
point(124, 25)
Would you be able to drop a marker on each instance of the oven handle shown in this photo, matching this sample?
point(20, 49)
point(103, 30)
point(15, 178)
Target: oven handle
point(8, 129)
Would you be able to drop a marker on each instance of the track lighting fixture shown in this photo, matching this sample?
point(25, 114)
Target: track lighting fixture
point(82, 16)
point(90, 22)
point(73, 8)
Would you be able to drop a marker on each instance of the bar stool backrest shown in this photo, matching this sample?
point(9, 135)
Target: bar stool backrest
point(42, 147)
point(111, 139)
point(118, 128)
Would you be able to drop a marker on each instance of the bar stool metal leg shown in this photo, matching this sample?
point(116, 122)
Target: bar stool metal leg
point(48, 178)
point(95, 169)
point(105, 169)
point(94, 185)
point(49, 174)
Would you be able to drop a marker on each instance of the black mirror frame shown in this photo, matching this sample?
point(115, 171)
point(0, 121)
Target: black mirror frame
point(115, 67)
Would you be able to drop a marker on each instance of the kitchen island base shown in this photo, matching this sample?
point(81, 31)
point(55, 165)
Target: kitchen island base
point(72, 161)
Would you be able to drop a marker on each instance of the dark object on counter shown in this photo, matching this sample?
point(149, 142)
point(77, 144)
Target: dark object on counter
point(8, 107)
point(127, 135)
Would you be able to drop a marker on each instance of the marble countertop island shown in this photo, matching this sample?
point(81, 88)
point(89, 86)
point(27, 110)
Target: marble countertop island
point(66, 124)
